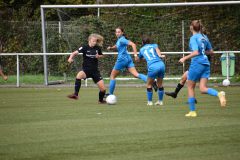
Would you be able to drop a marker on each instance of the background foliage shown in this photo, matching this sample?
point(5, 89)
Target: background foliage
point(21, 31)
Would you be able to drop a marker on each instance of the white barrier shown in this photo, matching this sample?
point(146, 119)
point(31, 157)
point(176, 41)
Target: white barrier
point(107, 53)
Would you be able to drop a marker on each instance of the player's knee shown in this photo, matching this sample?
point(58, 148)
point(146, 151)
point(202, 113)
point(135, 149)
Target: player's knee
point(159, 85)
point(203, 89)
point(149, 86)
point(103, 89)
point(79, 77)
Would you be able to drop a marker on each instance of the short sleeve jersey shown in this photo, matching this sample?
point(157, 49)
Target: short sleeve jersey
point(200, 42)
point(122, 44)
point(148, 51)
point(90, 62)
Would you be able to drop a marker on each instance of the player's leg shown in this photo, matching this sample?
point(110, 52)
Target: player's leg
point(134, 72)
point(210, 91)
point(143, 77)
point(160, 75)
point(160, 91)
point(97, 78)
point(102, 91)
point(4, 77)
point(112, 84)
point(191, 98)
point(80, 75)
point(149, 91)
point(179, 86)
point(194, 75)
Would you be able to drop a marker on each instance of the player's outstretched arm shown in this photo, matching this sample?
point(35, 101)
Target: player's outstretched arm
point(113, 47)
point(99, 56)
point(159, 53)
point(209, 52)
point(134, 47)
point(70, 59)
point(193, 54)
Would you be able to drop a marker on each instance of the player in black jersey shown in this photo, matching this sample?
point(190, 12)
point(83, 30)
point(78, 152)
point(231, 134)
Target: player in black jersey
point(91, 53)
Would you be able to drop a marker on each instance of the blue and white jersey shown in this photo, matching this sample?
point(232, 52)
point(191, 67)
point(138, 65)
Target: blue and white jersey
point(122, 44)
point(200, 42)
point(148, 51)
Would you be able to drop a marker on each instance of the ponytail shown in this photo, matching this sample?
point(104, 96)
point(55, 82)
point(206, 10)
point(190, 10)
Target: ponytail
point(197, 26)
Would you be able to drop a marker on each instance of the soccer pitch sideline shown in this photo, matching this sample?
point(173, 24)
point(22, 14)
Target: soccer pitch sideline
point(42, 124)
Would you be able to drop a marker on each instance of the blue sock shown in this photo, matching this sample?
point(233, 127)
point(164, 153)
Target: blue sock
point(142, 77)
point(160, 93)
point(212, 92)
point(191, 102)
point(149, 94)
point(112, 86)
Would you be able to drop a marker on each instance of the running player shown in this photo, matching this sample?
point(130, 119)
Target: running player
point(156, 68)
point(199, 69)
point(124, 60)
point(182, 83)
point(91, 53)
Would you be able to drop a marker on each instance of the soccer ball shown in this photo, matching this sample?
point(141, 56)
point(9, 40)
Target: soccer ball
point(111, 99)
point(226, 82)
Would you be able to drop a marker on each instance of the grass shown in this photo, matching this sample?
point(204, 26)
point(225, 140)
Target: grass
point(42, 124)
point(39, 79)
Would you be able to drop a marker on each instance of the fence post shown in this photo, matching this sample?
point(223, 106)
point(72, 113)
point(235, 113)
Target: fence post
point(18, 75)
point(228, 65)
point(183, 41)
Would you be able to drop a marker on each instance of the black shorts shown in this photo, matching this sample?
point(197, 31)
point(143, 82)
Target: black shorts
point(95, 75)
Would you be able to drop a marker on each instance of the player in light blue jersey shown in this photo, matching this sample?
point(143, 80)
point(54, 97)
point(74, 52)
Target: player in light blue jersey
point(124, 60)
point(199, 69)
point(156, 69)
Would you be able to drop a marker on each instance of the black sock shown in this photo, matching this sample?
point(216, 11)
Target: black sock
point(178, 88)
point(161, 89)
point(149, 89)
point(77, 86)
point(101, 95)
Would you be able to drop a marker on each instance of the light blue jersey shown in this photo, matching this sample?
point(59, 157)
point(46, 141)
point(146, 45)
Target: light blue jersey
point(122, 44)
point(148, 51)
point(200, 42)
point(156, 67)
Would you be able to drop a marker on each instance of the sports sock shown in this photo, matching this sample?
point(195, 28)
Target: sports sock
point(149, 94)
point(77, 86)
point(178, 88)
point(112, 86)
point(142, 77)
point(160, 93)
point(191, 102)
point(212, 92)
point(101, 95)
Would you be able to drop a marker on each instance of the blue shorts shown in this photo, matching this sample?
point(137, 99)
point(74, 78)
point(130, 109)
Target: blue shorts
point(198, 71)
point(156, 70)
point(120, 65)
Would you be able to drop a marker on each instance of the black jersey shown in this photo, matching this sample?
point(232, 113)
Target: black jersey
point(90, 62)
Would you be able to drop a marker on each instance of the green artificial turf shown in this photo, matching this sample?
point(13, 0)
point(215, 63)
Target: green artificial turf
point(42, 124)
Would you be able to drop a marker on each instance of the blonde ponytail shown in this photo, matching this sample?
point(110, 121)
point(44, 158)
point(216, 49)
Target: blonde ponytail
point(98, 37)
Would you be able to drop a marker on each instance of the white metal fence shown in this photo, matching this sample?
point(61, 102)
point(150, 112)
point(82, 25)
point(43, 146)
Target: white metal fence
point(109, 53)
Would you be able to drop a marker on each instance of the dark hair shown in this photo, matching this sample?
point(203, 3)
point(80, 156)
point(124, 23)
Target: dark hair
point(197, 26)
point(146, 39)
point(121, 28)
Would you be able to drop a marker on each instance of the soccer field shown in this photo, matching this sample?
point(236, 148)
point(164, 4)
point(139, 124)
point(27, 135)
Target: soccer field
point(43, 124)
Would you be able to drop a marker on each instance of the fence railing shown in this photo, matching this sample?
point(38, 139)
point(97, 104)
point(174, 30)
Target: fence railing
point(110, 53)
